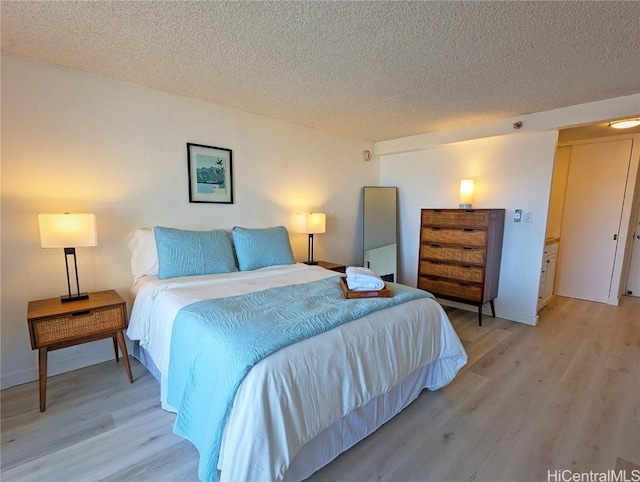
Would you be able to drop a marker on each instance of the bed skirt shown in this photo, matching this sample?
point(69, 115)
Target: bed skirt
point(340, 436)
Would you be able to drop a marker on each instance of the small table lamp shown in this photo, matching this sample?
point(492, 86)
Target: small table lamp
point(466, 193)
point(311, 223)
point(68, 231)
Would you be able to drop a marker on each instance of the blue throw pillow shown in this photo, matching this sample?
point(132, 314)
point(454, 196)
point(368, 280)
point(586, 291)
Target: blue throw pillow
point(259, 248)
point(189, 253)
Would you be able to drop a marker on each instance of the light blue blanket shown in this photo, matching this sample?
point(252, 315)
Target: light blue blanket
point(215, 343)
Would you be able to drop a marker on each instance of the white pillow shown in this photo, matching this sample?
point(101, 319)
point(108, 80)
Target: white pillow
point(144, 255)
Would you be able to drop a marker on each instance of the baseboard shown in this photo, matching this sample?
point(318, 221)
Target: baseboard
point(18, 378)
point(486, 310)
point(56, 368)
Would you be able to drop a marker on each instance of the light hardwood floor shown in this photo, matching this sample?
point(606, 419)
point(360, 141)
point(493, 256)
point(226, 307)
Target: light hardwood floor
point(562, 395)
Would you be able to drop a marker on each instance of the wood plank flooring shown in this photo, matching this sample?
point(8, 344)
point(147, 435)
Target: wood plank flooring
point(564, 395)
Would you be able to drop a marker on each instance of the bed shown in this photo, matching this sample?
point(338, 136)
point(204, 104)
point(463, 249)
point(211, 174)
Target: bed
point(299, 407)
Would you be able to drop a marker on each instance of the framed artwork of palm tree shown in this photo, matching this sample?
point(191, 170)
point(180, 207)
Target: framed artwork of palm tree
point(210, 175)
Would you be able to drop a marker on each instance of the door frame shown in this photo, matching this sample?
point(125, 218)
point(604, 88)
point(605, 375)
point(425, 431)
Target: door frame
point(630, 206)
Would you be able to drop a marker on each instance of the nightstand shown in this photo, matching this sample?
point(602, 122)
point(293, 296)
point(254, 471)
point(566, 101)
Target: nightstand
point(54, 325)
point(340, 268)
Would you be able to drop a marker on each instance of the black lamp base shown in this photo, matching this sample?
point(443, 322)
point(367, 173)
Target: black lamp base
point(311, 263)
point(76, 297)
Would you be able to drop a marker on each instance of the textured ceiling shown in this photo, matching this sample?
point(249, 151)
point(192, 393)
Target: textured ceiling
point(373, 70)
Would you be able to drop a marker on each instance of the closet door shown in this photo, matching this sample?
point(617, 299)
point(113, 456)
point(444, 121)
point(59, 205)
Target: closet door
point(633, 283)
point(591, 220)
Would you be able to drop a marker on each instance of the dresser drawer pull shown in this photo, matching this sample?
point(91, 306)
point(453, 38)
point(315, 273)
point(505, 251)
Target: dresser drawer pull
point(436, 229)
point(435, 245)
point(464, 284)
point(433, 278)
point(468, 248)
point(81, 313)
point(469, 230)
point(466, 266)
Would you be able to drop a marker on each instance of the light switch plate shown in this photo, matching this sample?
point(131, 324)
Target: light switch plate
point(528, 216)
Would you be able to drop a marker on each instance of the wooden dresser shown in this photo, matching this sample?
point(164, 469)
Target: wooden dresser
point(460, 252)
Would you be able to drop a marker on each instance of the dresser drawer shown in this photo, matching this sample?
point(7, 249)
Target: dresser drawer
point(450, 289)
point(462, 254)
point(464, 237)
point(460, 272)
point(48, 331)
point(456, 217)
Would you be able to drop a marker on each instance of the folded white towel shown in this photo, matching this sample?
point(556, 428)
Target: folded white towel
point(363, 279)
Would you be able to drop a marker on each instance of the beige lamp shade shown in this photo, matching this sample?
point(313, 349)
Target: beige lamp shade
point(67, 230)
point(466, 193)
point(311, 223)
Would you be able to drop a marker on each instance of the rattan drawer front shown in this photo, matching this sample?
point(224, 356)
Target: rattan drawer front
point(465, 237)
point(455, 218)
point(451, 289)
point(52, 330)
point(474, 274)
point(451, 253)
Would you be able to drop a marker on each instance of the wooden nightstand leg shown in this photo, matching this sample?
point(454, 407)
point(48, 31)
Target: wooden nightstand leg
point(115, 348)
point(42, 366)
point(125, 354)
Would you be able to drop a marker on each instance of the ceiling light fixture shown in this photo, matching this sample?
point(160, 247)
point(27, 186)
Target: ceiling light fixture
point(625, 123)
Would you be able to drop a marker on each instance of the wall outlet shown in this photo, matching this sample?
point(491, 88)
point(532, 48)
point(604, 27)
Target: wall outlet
point(517, 217)
point(528, 216)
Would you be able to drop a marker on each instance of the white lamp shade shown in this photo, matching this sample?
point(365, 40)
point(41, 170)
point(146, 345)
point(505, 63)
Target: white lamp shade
point(466, 191)
point(311, 223)
point(69, 230)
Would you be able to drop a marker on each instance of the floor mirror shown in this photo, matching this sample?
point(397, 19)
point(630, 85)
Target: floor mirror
point(380, 231)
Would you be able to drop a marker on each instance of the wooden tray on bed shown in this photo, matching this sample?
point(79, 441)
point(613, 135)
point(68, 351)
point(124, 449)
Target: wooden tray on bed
point(383, 293)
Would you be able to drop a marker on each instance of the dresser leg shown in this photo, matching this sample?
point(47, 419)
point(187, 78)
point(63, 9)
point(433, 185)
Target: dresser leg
point(115, 348)
point(480, 315)
point(125, 354)
point(42, 367)
point(493, 309)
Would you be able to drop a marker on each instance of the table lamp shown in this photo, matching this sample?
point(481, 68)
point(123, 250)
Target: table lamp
point(68, 231)
point(311, 223)
point(466, 193)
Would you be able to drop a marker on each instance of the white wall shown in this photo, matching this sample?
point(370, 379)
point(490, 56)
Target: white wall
point(511, 172)
point(74, 142)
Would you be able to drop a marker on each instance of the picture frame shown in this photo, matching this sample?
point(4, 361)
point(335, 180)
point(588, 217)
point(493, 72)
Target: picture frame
point(210, 174)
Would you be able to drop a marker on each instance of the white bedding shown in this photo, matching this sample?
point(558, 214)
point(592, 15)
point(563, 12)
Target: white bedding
point(358, 361)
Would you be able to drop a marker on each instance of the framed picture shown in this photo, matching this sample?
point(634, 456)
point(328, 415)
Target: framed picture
point(210, 176)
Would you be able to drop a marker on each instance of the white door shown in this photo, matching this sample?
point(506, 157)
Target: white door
point(633, 284)
point(591, 220)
